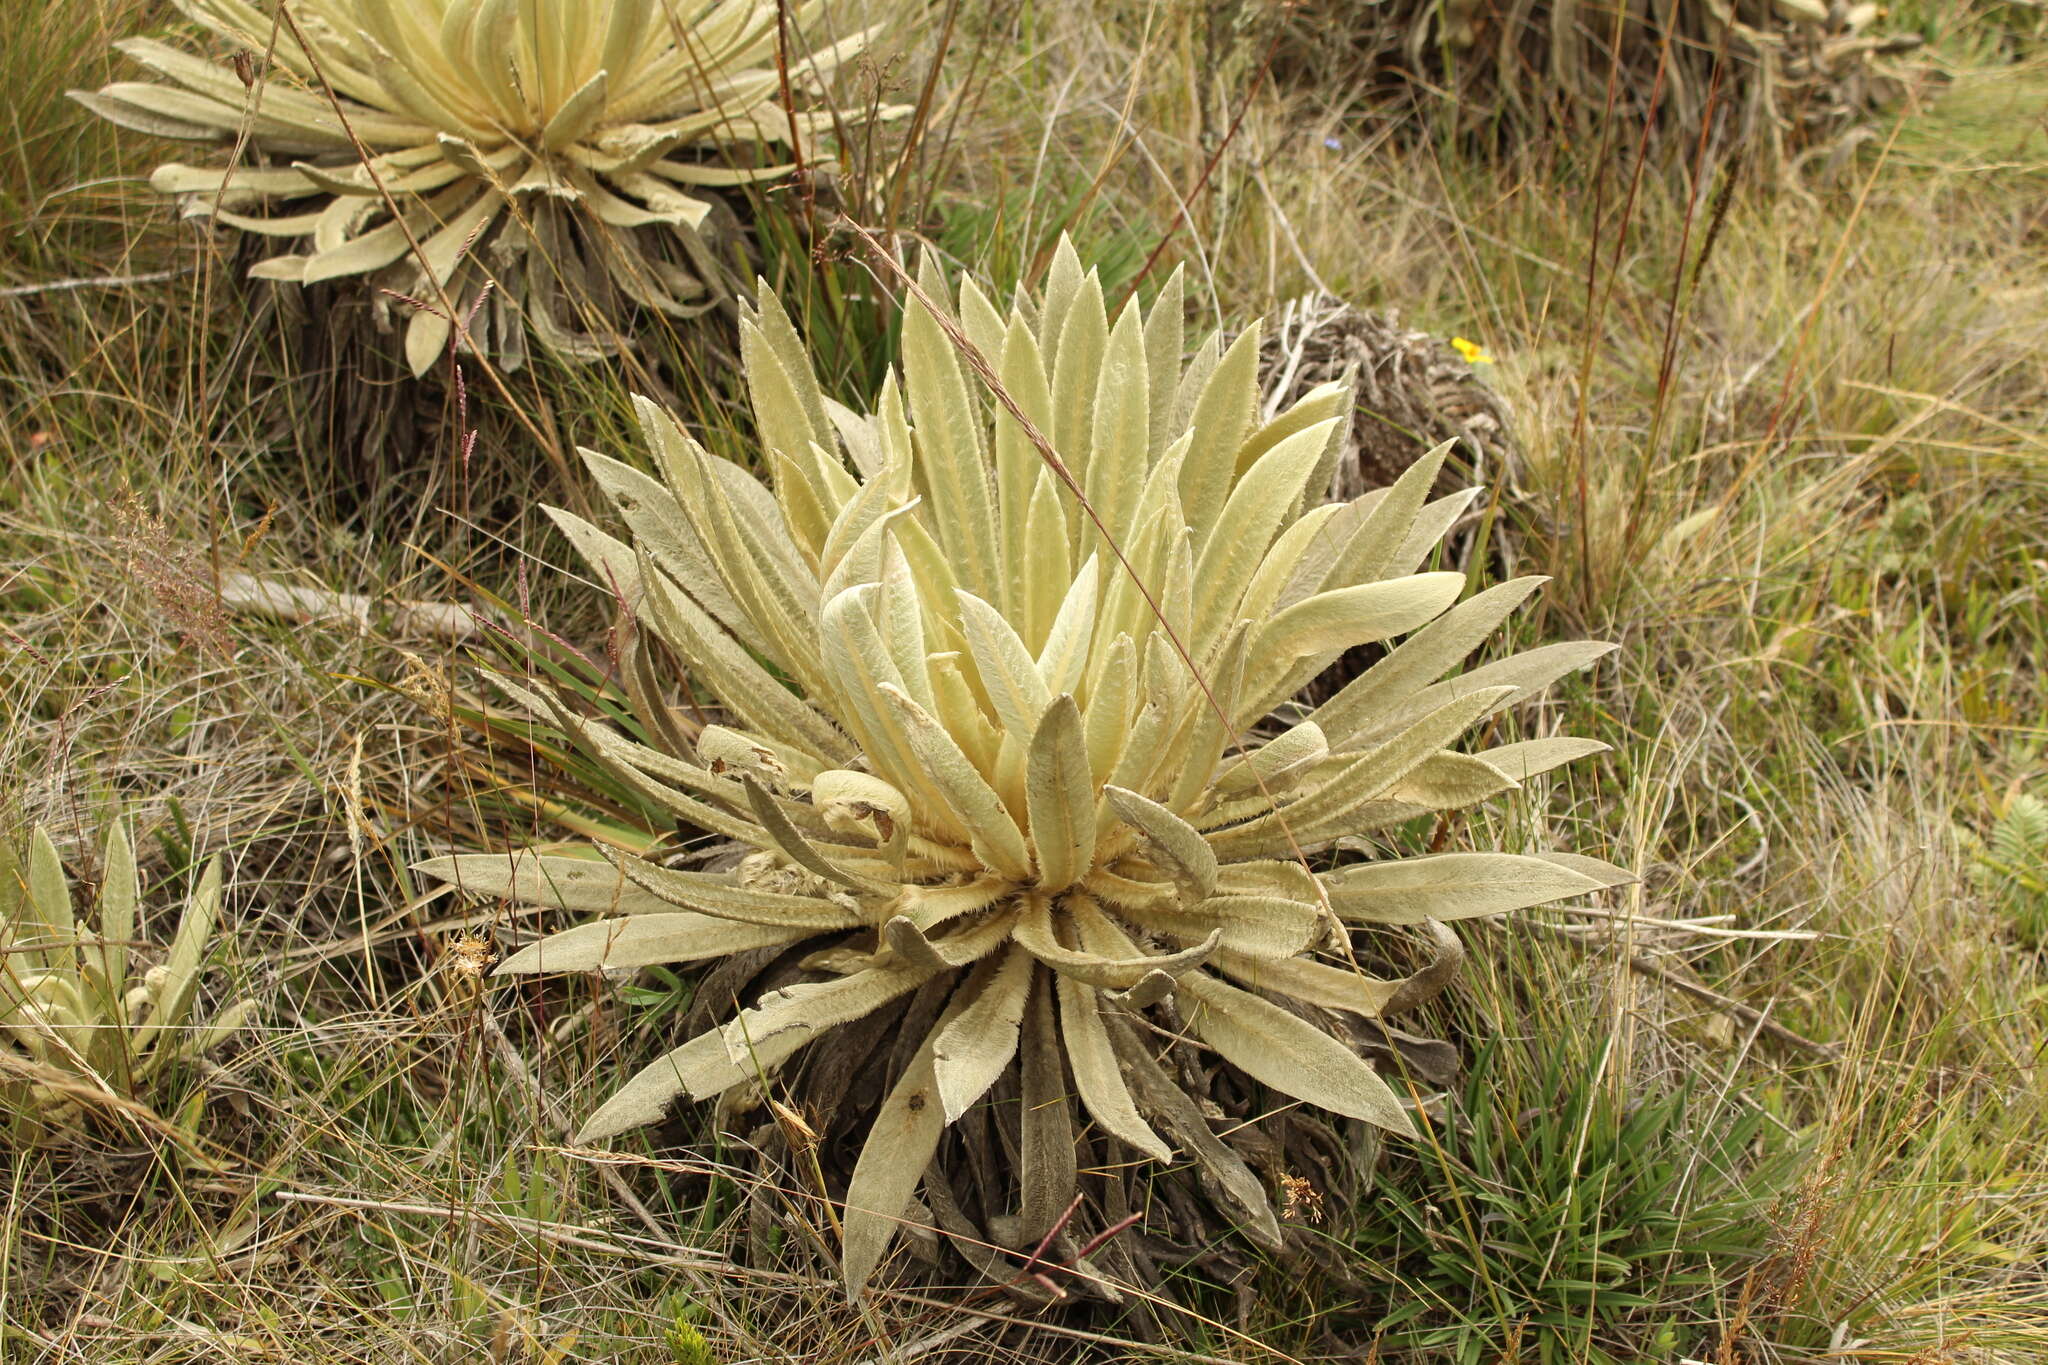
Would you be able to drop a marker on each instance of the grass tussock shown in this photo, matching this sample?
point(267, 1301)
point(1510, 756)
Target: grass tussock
point(1780, 1102)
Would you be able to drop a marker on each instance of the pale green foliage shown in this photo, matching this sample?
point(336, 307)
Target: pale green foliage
point(2018, 845)
point(686, 1343)
point(996, 765)
point(523, 142)
point(2011, 863)
point(79, 1015)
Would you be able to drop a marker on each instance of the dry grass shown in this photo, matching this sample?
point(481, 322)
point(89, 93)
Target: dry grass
point(1789, 454)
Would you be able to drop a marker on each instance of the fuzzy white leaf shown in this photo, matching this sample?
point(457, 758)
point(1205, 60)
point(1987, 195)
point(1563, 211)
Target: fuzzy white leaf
point(1449, 886)
point(981, 1041)
point(1098, 1078)
point(1280, 1049)
point(1060, 797)
point(644, 940)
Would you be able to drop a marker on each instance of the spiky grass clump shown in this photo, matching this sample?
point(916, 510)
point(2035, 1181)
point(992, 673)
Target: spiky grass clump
point(1557, 1211)
point(1010, 750)
point(78, 1023)
point(558, 150)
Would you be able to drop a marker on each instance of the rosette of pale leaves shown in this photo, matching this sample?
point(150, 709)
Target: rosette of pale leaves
point(976, 750)
point(78, 1014)
point(560, 149)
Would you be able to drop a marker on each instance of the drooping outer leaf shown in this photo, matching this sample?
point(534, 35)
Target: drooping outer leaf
point(1605, 873)
point(586, 884)
point(717, 895)
point(1530, 757)
point(789, 840)
point(809, 1008)
point(1050, 1170)
point(1314, 983)
point(975, 1048)
point(1449, 781)
point(1450, 886)
point(1283, 1050)
point(1272, 927)
point(699, 1068)
point(759, 1039)
point(900, 1145)
point(645, 940)
point(1098, 1077)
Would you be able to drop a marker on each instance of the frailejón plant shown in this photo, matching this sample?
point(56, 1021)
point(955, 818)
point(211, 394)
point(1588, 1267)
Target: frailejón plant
point(974, 733)
point(553, 148)
point(78, 1015)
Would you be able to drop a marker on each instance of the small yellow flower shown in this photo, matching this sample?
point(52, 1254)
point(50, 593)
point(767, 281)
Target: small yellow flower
point(1474, 353)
